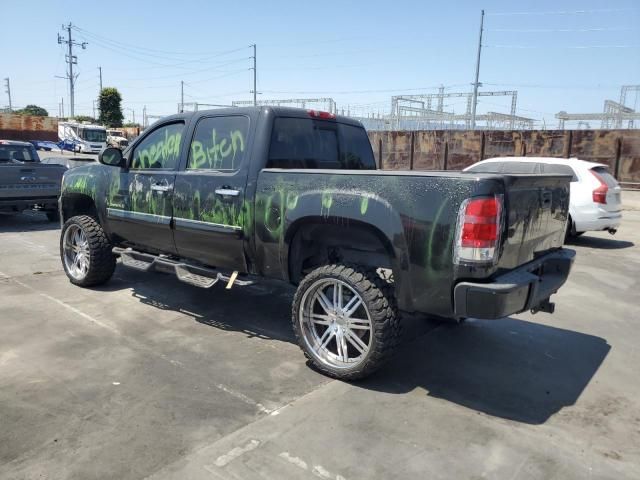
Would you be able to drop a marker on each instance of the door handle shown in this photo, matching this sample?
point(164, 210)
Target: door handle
point(227, 192)
point(160, 188)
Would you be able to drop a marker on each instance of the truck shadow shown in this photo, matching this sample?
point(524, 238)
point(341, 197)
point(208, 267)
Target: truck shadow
point(507, 368)
point(26, 222)
point(261, 311)
point(599, 242)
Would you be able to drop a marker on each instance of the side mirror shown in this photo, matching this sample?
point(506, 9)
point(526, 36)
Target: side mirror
point(111, 156)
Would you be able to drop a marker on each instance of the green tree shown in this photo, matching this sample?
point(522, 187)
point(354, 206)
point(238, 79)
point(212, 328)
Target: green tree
point(110, 107)
point(84, 118)
point(33, 110)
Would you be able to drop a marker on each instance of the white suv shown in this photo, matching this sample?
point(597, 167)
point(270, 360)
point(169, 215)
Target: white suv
point(595, 194)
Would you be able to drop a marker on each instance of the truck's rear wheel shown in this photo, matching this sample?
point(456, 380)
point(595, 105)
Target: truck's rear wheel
point(345, 319)
point(86, 252)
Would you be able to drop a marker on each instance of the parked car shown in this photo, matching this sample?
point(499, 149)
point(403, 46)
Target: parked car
point(116, 138)
point(45, 145)
point(25, 182)
point(595, 194)
point(243, 193)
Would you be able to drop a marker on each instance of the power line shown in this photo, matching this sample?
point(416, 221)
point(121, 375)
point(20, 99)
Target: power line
point(140, 57)
point(137, 54)
point(570, 47)
point(136, 47)
point(559, 30)
point(178, 75)
point(566, 12)
point(559, 87)
point(342, 92)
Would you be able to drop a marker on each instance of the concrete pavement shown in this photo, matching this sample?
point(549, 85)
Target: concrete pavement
point(146, 377)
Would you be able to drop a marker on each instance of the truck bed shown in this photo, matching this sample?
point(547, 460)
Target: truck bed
point(419, 212)
point(29, 180)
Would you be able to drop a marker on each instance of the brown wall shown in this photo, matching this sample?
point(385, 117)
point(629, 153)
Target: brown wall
point(131, 132)
point(456, 149)
point(26, 127)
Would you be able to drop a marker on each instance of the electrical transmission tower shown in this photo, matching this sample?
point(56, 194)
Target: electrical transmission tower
point(7, 86)
point(72, 60)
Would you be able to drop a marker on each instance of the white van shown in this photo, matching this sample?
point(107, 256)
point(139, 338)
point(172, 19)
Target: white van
point(82, 137)
point(595, 202)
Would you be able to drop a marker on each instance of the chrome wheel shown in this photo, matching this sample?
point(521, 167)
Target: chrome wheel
point(335, 323)
point(76, 252)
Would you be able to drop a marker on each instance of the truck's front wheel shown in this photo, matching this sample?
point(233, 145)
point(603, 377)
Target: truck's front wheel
point(86, 252)
point(345, 319)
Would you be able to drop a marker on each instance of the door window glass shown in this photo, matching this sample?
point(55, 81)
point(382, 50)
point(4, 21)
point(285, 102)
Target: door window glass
point(160, 149)
point(219, 143)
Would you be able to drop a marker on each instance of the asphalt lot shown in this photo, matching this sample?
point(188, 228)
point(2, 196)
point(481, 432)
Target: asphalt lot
point(146, 377)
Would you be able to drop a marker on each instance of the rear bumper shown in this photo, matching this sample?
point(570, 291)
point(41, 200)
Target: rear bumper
point(524, 288)
point(604, 221)
point(19, 204)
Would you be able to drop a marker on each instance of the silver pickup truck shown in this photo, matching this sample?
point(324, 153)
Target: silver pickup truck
point(25, 182)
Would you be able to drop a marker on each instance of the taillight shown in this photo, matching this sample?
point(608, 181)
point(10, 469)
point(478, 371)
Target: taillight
point(478, 232)
point(321, 115)
point(600, 193)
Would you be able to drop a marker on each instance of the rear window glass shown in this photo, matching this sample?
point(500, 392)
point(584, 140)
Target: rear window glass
point(17, 153)
point(309, 143)
point(559, 169)
point(489, 167)
point(521, 167)
point(606, 176)
point(355, 148)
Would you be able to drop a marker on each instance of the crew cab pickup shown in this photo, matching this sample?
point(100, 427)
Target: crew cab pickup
point(25, 182)
point(291, 194)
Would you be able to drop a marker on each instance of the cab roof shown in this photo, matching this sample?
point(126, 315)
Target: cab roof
point(276, 111)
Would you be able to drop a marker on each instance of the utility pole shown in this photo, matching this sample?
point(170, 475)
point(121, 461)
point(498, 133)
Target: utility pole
point(94, 109)
point(255, 75)
point(99, 93)
point(181, 96)
point(476, 84)
point(144, 117)
point(62, 106)
point(8, 90)
point(72, 60)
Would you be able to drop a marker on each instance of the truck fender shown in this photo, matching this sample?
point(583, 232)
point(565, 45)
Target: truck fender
point(347, 208)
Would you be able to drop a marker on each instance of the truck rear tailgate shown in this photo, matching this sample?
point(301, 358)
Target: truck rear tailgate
point(536, 211)
point(29, 180)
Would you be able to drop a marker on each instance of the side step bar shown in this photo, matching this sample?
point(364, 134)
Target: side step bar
point(193, 275)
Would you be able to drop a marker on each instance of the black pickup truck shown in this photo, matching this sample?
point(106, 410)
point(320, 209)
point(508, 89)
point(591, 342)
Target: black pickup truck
point(291, 194)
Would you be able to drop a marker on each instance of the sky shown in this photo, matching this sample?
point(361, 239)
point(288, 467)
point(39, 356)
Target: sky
point(566, 55)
